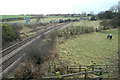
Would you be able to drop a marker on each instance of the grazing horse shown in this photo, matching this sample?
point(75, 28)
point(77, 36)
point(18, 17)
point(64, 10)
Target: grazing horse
point(109, 36)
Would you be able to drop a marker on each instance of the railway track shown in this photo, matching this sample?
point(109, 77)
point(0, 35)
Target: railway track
point(13, 53)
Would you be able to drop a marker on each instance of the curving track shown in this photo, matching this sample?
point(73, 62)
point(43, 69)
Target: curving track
point(12, 54)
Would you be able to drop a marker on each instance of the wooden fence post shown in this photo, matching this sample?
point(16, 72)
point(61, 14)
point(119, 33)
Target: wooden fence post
point(86, 73)
point(71, 70)
point(93, 67)
point(101, 74)
point(67, 69)
point(80, 68)
point(106, 69)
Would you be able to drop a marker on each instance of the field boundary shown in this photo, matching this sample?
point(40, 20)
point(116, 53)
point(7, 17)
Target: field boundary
point(96, 70)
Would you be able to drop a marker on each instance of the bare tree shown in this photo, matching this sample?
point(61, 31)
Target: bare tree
point(114, 8)
point(119, 6)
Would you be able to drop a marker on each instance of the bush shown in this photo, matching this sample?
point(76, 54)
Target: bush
point(40, 48)
point(108, 24)
point(8, 35)
point(17, 27)
point(114, 22)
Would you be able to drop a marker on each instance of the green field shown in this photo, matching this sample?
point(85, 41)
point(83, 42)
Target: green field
point(14, 16)
point(86, 49)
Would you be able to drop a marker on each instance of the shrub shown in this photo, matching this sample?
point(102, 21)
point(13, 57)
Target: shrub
point(112, 23)
point(105, 24)
point(17, 27)
point(40, 49)
point(8, 35)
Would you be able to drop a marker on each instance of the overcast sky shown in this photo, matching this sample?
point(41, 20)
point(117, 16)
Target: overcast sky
point(54, 6)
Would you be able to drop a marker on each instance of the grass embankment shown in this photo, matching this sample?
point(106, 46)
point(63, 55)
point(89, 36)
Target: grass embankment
point(86, 49)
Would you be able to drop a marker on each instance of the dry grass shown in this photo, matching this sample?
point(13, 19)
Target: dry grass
point(86, 23)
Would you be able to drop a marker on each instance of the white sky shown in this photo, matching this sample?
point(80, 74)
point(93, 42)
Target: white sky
point(54, 6)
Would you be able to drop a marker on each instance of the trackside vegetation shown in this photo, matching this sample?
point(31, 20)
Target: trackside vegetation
point(8, 34)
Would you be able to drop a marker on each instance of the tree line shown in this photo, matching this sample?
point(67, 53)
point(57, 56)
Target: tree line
point(110, 18)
